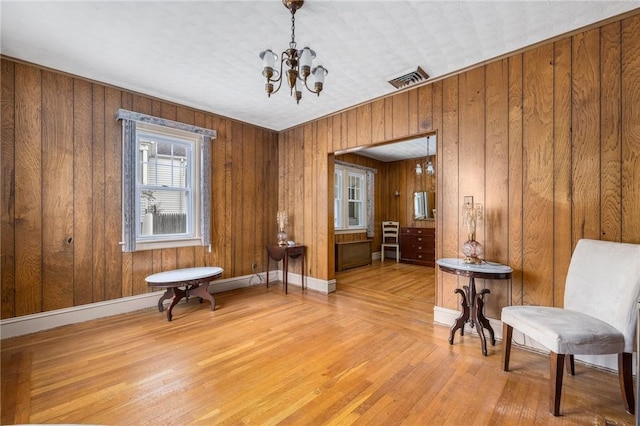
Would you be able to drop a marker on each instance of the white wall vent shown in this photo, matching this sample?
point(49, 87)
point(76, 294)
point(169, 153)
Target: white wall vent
point(408, 78)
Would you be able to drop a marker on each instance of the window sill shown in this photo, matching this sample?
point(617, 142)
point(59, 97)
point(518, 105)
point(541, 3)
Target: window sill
point(165, 244)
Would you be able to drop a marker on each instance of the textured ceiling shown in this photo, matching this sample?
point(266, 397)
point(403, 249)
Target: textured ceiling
point(413, 148)
point(205, 53)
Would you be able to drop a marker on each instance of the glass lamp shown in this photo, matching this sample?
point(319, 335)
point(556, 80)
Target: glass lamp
point(282, 219)
point(471, 214)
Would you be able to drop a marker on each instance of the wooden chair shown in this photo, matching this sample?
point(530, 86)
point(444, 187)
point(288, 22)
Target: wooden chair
point(390, 231)
point(599, 315)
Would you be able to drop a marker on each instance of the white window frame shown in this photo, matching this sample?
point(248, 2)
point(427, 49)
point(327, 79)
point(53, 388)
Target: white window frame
point(342, 200)
point(198, 139)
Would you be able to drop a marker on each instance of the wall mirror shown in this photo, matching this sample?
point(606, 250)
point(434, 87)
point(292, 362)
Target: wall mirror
point(424, 205)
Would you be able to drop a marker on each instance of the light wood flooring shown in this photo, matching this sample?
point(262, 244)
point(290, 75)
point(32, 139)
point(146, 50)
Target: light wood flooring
point(368, 354)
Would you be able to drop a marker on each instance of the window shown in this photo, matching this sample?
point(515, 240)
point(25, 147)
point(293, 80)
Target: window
point(165, 183)
point(350, 198)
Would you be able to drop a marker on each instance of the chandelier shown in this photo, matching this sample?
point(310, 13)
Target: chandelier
point(427, 166)
point(298, 63)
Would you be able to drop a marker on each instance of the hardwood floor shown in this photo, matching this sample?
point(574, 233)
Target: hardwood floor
point(367, 354)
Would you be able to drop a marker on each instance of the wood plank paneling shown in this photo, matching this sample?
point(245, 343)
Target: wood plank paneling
point(57, 200)
point(297, 192)
point(630, 121)
point(261, 157)
point(7, 162)
point(377, 121)
point(388, 119)
point(436, 122)
point(496, 221)
point(28, 192)
point(562, 241)
point(237, 169)
point(514, 211)
point(363, 125)
point(585, 124)
point(610, 96)
point(472, 143)
point(113, 191)
point(98, 188)
point(400, 117)
point(307, 212)
point(352, 128)
point(426, 112)
point(82, 199)
point(537, 189)
point(449, 209)
point(413, 111)
point(248, 205)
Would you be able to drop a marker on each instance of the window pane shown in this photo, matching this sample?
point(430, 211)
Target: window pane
point(163, 164)
point(349, 198)
point(165, 203)
point(163, 212)
point(355, 213)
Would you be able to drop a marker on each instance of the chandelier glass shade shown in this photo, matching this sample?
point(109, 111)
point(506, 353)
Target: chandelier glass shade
point(296, 64)
point(426, 167)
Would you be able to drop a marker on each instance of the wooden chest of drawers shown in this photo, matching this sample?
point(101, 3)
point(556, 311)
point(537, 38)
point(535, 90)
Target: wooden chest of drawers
point(418, 246)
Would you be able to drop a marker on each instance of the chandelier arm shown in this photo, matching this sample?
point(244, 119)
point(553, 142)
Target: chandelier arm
point(305, 85)
point(279, 79)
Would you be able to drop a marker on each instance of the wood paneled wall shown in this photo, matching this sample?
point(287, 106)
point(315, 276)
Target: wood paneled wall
point(547, 139)
point(61, 193)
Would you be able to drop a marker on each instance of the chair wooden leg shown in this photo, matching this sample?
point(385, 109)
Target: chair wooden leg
point(507, 333)
point(555, 382)
point(570, 365)
point(625, 376)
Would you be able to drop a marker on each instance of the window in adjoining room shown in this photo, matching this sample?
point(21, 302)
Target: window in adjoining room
point(353, 189)
point(166, 188)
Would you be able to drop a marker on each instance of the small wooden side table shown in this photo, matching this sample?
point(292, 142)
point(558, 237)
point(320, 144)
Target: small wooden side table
point(195, 281)
point(471, 301)
point(278, 253)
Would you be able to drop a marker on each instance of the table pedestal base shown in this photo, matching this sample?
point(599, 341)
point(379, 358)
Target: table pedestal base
point(176, 294)
point(473, 313)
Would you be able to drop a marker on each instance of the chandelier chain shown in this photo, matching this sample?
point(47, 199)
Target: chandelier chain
point(293, 31)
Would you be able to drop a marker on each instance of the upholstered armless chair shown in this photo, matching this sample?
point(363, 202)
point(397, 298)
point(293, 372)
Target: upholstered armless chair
point(599, 315)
